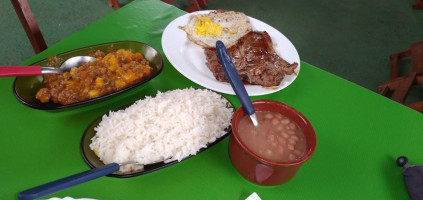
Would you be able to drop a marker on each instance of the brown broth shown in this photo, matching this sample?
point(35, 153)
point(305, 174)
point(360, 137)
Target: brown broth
point(277, 138)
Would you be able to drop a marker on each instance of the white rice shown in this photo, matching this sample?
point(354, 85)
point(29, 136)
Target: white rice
point(170, 126)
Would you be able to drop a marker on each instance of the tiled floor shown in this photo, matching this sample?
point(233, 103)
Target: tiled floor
point(351, 39)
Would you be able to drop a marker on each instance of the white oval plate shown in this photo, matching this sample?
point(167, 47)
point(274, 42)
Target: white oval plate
point(189, 59)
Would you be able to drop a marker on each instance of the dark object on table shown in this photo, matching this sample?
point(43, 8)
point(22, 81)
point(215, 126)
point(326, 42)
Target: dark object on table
point(255, 60)
point(401, 85)
point(413, 178)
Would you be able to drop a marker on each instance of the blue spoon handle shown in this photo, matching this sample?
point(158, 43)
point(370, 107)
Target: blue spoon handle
point(61, 184)
point(233, 76)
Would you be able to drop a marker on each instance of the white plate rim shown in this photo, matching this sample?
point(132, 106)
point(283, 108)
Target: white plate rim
point(189, 59)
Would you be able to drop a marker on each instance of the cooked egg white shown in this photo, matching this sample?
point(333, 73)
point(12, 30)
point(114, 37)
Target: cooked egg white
point(227, 26)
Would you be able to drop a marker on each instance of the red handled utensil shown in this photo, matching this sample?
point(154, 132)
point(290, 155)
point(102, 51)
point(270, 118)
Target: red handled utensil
point(6, 71)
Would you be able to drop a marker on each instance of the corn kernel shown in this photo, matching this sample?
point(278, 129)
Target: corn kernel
point(129, 76)
point(119, 70)
point(137, 56)
point(107, 57)
point(120, 84)
point(69, 82)
point(121, 51)
point(112, 67)
point(93, 93)
point(99, 82)
point(125, 54)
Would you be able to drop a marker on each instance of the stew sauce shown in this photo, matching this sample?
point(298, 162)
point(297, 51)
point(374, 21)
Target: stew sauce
point(109, 73)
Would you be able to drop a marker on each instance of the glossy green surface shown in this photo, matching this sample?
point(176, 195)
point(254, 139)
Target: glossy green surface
point(359, 133)
point(26, 87)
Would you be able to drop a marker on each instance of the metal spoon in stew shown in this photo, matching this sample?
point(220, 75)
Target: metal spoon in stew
point(76, 61)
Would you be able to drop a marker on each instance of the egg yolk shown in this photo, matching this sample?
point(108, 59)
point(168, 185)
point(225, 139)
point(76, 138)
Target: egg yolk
point(206, 27)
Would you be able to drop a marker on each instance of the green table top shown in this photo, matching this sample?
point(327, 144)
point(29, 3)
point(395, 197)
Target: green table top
point(360, 134)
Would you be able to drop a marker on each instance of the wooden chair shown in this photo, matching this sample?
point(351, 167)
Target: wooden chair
point(401, 85)
point(418, 4)
point(195, 5)
point(416, 53)
point(30, 25)
point(35, 36)
point(114, 3)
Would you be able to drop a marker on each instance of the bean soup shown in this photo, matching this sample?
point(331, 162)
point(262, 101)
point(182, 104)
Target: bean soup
point(276, 138)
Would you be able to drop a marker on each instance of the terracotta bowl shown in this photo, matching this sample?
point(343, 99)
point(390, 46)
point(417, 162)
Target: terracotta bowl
point(257, 169)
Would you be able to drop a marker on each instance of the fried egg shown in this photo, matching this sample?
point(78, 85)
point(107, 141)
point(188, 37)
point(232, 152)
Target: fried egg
point(227, 26)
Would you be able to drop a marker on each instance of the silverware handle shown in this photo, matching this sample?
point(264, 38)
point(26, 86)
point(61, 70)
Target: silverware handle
point(61, 184)
point(49, 70)
point(233, 77)
point(6, 71)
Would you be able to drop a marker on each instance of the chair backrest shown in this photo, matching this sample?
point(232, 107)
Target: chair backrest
point(417, 57)
point(195, 5)
point(33, 31)
point(418, 4)
point(30, 25)
point(400, 86)
point(114, 3)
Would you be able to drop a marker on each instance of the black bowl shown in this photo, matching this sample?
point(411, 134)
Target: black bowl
point(26, 87)
point(93, 161)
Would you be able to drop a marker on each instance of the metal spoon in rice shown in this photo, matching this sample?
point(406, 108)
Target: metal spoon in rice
point(235, 80)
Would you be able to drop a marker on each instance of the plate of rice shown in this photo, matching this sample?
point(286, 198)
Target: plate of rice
point(157, 132)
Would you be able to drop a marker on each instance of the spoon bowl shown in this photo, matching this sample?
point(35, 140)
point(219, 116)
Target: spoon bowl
point(7, 71)
point(67, 65)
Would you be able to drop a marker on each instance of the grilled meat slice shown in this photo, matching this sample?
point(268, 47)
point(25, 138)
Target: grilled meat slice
point(255, 60)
